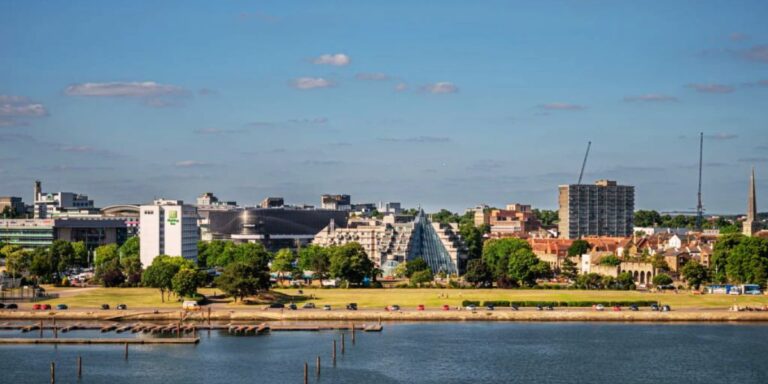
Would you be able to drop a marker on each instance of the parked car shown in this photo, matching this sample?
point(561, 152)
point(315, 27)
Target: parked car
point(12, 306)
point(190, 305)
point(37, 307)
point(616, 308)
point(105, 306)
point(539, 307)
point(292, 306)
point(599, 307)
point(122, 307)
point(634, 307)
point(489, 307)
point(549, 308)
point(46, 307)
point(277, 305)
point(654, 307)
point(666, 308)
point(393, 308)
point(308, 306)
point(2, 305)
point(326, 307)
point(420, 307)
point(352, 306)
point(471, 307)
point(62, 307)
point(514, 307)
point(446, 307)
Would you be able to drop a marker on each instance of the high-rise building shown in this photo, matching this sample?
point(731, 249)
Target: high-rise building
point(11, 207)
point(48, 205)
point(602, 209)
point(751, 225)
point(336, 202)
point(168, 227)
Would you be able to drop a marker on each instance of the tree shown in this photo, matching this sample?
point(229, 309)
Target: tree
point(416, 265)
point(444, 217)
point(568, 269)
point(41, 265)
point(647, 218)
point(748, 261)
point(111, 275)
point(610, 260)
point(283, 262)
point(160, 274)
point(131, 267)
point(625, 281)
point(186, 281)
point(496, 254)
point(589, 281)
point(422, 276)
point(523, 267)
point(17, 260)
point(719, 260)
point(131, 248)
point(241, 279)
point(658, 262)
point(401, 269)
point(349, 262)
point(62, 256)
point(694, 273)
point(473, 239)
point(662, 279)
point(542, 270)
point(578, 248)
point(546, 217)
point(315, 258)
point(81, 253)
point(478, 273)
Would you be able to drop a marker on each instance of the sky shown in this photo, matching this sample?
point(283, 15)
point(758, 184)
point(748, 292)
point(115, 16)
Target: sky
point(442, 104)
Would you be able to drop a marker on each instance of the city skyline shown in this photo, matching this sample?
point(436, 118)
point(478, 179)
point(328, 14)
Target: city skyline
point(430, 104)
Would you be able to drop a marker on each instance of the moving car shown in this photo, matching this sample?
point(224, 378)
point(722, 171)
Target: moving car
point(37, 307)
point(393, 308)
point(46, 307)
point(616, 308)
point(308, 306)
point(2, 305)
point(654, 307)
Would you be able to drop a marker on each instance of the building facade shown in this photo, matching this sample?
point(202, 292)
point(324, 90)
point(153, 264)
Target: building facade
point(602, 209)
point(12, 207)
point(168, 227)
point(49, 205)
point(94, 231)
point(336, 202)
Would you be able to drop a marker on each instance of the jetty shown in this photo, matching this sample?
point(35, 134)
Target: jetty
point(183, 340)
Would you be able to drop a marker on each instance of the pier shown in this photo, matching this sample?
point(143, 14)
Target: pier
point(184, 340)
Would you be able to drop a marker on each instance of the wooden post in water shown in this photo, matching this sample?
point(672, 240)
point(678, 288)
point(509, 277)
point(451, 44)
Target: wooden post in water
point(53, 372)
point(178, 330)
point(306, 373)
point(41, 329)
point(209, 317)
point(353, 333)
point(342, 343)
point(334, 352)
point(126, 351)
point(79, 367)
point(317, 368)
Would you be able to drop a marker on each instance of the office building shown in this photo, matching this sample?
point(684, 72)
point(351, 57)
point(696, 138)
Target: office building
point(49, 205)
point(168, 227)
point(93, 230)
point(272, 202)
point(336, 202)
point(11, 207)
point(208, 199)
point(601, 209)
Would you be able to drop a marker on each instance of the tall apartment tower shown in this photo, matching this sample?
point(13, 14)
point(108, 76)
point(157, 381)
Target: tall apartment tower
point(750, 226)
point(602, 209)
point(168, 227)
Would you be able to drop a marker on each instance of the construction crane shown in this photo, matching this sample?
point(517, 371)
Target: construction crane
point(584, 163)
point(699, 206)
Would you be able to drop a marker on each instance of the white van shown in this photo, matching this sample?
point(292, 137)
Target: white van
point(190, 306)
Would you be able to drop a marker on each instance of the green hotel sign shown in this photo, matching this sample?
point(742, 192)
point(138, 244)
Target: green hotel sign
point(173, 217)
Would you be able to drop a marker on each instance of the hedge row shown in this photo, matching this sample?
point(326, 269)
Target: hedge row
point(505, 303)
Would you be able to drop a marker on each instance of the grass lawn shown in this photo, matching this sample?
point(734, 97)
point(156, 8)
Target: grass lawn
point(92, 298)
point(379, 298)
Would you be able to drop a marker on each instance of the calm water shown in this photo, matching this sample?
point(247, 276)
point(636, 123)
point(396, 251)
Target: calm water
point(423, 353)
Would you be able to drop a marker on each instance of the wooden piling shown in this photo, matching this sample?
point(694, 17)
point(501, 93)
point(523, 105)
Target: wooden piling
point(41, 329)
point(306, 373)
point(209, 316)
point(53, 372)
point(353, 333)
point(317, 368)
point(79, 367)
point(126, 351)
point(342, 343)
point(334, 353)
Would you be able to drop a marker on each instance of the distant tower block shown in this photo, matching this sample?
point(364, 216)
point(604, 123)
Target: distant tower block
point(751, 225)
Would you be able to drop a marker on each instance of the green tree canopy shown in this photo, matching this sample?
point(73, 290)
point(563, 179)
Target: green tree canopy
point(524, 267)
point(186, 281)
point(610, 260)
point(421, 277)
point(568, 269)
point(662, 279)
point(350, 263)
point(415, 265)
point(161, 272)
point(478, 273)
point(748, 262)
point(241, 279)
point(316, 259)
point(578, 248)
point(694, 273)
point(497, 254)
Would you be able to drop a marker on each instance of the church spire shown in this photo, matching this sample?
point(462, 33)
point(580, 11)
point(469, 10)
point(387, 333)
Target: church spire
point(752, 203)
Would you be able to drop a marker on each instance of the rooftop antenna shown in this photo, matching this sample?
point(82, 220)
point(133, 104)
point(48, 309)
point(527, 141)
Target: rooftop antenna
point(584, 163)
point(699, 207)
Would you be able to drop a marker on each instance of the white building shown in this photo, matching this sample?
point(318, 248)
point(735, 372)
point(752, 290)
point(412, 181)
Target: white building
point(168, 227)
point(49, 205)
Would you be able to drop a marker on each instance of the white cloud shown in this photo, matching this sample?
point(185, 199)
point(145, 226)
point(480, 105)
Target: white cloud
point(311, 83)
point(757, 53)
point(562, 107)
point(721, 136)
point(711, 88)
point(191, 164)
point(441, 87)
point(650, 97)
point(20, 106)
point(374, 76)
point(123, 89)
point(401, 87)
point(338, 59)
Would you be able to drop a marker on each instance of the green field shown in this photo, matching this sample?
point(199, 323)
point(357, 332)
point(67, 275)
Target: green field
point(92, 298)
point(379, 298)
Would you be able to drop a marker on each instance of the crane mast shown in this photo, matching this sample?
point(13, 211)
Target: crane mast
point(584, 163)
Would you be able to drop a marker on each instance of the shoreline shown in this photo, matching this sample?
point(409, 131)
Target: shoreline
point(524, 315)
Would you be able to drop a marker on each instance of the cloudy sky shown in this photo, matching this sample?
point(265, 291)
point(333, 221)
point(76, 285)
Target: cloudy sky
point(438, 103)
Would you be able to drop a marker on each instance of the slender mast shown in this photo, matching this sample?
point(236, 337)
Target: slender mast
point(699, 207)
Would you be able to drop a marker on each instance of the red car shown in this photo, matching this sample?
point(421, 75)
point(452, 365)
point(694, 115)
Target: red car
point(37, 307)
point(616, 308)
point(446, 307)
point(420, 307)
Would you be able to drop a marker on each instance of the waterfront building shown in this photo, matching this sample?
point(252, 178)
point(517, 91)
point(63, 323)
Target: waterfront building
point(275, 228)
point(48, 205)
point(396, 239)
point(336, 202)
point(168, 227)
point(602, 209)
point(751, 225)
point(272, 202)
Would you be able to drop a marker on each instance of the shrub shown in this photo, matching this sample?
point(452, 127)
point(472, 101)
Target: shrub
point(497, 303)
point(470, 302)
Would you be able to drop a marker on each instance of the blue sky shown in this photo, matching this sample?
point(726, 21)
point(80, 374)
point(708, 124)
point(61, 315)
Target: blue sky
point(438, 103)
